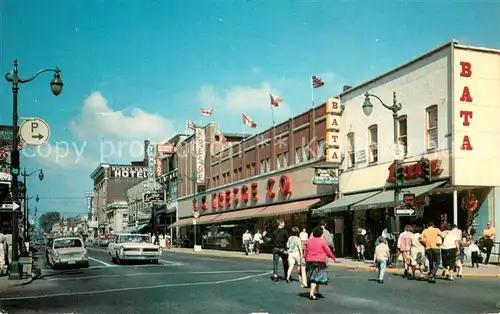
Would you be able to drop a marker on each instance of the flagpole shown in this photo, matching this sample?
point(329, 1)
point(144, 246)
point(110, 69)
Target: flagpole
point(312, 112)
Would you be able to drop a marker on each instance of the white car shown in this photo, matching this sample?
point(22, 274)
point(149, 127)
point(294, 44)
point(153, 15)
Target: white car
point(66, 251)
point(137, 247)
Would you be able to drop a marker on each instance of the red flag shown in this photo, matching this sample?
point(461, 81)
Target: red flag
point(275, 100)
point(249, 122)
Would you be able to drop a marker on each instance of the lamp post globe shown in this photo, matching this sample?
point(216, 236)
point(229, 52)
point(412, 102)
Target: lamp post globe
point(56, 85)
point(41, 175)
point(367, 105)
point(37, 198)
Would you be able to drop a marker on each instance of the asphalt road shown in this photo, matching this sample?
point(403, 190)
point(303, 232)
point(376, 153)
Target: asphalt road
point(185, 283)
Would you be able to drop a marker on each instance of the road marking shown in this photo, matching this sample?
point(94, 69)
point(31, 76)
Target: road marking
point(47, 270)
point(156, 274)
point(99, 261)
point(187, 284)
point(170, 262)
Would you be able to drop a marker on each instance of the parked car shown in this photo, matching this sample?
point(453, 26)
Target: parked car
point(66, 251)
point(136, 247)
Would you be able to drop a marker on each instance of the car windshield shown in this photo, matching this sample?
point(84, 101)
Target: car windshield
point(67, 243)
point(134, 239)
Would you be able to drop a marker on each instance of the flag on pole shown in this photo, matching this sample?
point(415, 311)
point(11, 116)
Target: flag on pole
point(206, 112)
point(222, 139)
point(275, 100)
point(317, 82)
point(191, 125)
point(249, 122)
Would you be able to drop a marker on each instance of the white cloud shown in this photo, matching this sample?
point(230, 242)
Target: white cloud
point(60, 155)
point(255, 70)
point(242, 99)
point(97, 120)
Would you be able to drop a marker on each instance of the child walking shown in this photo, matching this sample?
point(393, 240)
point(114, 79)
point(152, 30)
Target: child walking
point(474, 253)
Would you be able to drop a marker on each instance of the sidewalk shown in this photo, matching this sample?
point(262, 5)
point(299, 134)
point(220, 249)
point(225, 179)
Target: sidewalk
point(27, 278)
point(484, 271)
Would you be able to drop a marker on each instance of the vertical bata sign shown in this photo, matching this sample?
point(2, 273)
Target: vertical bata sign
point(476, 109)
point(200, 155)
point(332, 138)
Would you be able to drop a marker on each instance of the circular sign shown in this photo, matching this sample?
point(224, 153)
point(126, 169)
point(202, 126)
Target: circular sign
point(196, 215)
point(34, 131)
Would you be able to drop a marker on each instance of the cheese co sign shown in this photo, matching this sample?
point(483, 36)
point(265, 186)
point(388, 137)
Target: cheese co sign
point(241, 195)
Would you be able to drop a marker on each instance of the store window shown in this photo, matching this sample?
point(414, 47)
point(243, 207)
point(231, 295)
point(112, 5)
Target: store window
point(279, 163)
point(351, 150)
point(307, 152)
point(321, 148)
point(373, 144)
point(299, 155)
point(403, 133)
point(431, 127)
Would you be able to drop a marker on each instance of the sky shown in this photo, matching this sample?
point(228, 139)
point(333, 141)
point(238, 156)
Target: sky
point(136, 70)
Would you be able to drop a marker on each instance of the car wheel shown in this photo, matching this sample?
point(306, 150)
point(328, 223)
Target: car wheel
point(86, 265)
point(155, 261)
point(118, 259)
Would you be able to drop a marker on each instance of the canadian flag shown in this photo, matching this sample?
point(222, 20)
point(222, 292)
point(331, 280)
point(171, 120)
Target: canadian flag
point(206, 112)
point(222, 138)
point(275, 100)
point(249, 122)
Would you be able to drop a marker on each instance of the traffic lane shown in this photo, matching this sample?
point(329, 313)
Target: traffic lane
point(349, 292)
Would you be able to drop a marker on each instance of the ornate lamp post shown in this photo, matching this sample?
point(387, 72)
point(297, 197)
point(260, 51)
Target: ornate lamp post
point(395, 108)
point(25, 175)
point(56, 85)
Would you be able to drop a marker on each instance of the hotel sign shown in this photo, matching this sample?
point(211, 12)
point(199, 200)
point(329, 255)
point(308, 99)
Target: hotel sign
point(128, 172)
point(332, 138)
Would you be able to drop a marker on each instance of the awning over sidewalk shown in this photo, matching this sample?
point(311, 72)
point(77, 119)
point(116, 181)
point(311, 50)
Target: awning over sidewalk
point(386, 198)
point(236, 215)
point(287, 208)
point(202, 220)
point(343, 203)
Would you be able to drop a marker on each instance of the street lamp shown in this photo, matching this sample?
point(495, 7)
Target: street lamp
point(395, 108)
point(195, 192)
point(56, 86)
point(25, 175)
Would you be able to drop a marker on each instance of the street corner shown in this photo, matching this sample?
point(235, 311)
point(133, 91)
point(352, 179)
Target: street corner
point(6, 284)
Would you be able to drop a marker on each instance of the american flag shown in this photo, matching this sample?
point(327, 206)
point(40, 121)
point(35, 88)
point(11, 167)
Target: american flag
point(317, 82)
point(249, 122)
point(191, 125)
point(206, 112)
point(275, 100)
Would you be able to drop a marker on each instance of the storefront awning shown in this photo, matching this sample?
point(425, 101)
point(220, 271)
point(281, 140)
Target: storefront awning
point(236, 215)
point(138, 228)
point(287, 208)
point(343, 203)
point(202, 220)
point(386, 198)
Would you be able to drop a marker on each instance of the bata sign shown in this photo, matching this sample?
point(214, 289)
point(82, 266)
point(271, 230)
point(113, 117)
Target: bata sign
point(414, 170)
point(332, 138)
point(128, 172)
point(200, 155)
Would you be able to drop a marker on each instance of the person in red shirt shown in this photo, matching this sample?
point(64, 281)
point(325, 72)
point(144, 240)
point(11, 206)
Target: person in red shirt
point(316, 256)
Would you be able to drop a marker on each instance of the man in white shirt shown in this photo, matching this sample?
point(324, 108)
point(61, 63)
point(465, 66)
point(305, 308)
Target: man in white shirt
point(247, 237)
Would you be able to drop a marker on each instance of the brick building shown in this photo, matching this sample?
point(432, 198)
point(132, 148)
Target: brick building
point(251, 181)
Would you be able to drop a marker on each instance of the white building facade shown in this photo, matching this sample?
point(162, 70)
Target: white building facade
point(450, 103)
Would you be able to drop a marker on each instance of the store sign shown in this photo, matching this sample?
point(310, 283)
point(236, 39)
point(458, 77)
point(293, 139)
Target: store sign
point(200, 155)
point(249, 192)
point(167, 148)
point(158, 167)
point(415, 170)
point(326, 176)
point(4, 176)
point(332, 137)
point(128, 172)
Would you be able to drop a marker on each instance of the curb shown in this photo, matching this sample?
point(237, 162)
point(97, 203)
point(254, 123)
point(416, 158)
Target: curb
point(333, 265)
point(17, 283)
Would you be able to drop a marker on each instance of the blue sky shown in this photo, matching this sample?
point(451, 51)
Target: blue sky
point(139, 69)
